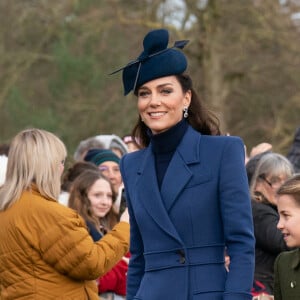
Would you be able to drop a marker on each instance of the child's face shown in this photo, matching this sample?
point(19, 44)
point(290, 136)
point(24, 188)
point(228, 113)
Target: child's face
point(289, 222)
point(100, 195)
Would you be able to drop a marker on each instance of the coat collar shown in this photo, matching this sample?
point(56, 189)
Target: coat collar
point(33, 189)
point(188, 149)
point(178, 174)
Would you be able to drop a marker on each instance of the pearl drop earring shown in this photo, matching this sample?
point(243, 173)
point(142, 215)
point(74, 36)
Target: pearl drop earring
point(185, 112)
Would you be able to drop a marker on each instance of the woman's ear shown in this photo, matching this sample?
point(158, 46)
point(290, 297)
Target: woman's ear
point(187, 98)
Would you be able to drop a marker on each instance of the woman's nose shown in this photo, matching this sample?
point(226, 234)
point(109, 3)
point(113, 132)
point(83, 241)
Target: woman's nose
point(155, 100)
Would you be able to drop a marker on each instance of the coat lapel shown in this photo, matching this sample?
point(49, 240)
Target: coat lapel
point(158, 203)
point(178, 173)
point(148, 193)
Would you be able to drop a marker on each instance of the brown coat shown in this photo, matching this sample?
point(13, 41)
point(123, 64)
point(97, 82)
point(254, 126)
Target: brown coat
point(46, 251)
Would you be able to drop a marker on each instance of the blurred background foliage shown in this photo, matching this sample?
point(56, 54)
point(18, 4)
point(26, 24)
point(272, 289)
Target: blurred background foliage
point(55, 57)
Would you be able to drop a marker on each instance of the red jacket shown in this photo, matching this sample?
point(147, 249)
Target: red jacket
point(115, 279)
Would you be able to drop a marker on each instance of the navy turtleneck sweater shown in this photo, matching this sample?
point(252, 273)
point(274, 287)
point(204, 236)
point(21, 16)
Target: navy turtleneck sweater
point(164, 145)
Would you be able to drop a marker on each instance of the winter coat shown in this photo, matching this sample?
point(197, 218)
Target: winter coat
point(46, 251)
point(179, 232)
point(287, 276)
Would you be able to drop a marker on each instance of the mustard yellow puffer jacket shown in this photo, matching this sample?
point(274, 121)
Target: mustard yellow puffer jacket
point(46, 251)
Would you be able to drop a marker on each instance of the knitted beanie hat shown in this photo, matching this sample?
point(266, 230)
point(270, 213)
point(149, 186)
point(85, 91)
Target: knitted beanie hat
point(99, 156)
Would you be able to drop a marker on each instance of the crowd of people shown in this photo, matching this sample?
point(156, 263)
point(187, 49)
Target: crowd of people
point(173, 211)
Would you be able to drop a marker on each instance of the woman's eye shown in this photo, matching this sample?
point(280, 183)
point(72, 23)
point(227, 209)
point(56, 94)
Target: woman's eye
point(166, 91)
point(143, 93)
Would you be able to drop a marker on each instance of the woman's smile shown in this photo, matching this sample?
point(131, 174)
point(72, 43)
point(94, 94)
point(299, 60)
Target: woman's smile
point(157, 115)
point(162, 100)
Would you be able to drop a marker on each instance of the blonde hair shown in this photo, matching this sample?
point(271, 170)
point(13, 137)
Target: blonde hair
point(34, 157)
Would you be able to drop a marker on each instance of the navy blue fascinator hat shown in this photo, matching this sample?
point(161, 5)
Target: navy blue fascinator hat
point(157, 60)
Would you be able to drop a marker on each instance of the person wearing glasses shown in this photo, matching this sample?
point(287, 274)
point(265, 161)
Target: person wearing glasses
point(108, 163)
point(271, 171)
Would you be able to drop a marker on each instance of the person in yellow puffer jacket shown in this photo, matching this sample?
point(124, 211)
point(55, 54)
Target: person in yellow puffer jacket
point(46, 251)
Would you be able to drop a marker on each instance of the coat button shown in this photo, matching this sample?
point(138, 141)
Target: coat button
point(182, 259)
point(293, 284)
point(181, 256)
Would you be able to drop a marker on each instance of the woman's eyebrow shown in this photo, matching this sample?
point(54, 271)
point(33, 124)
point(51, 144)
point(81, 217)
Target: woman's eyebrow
point(158, 86)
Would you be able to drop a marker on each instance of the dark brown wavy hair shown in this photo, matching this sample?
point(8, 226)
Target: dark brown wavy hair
point(74, 171)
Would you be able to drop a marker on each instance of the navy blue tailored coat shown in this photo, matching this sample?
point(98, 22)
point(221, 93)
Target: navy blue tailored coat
point(179, 233)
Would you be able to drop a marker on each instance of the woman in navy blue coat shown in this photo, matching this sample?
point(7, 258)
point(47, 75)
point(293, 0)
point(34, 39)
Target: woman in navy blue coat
point(187, 189)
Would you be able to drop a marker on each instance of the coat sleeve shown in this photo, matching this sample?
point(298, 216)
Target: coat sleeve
point(136, 263)
point(237, 220)
point(62, 239)
point(73, 251)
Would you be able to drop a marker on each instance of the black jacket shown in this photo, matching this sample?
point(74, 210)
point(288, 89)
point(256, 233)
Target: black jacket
point(269, 242)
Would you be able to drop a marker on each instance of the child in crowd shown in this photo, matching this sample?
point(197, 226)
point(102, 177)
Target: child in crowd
point(46, 251)
point(92, 196)
point(287, 272)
